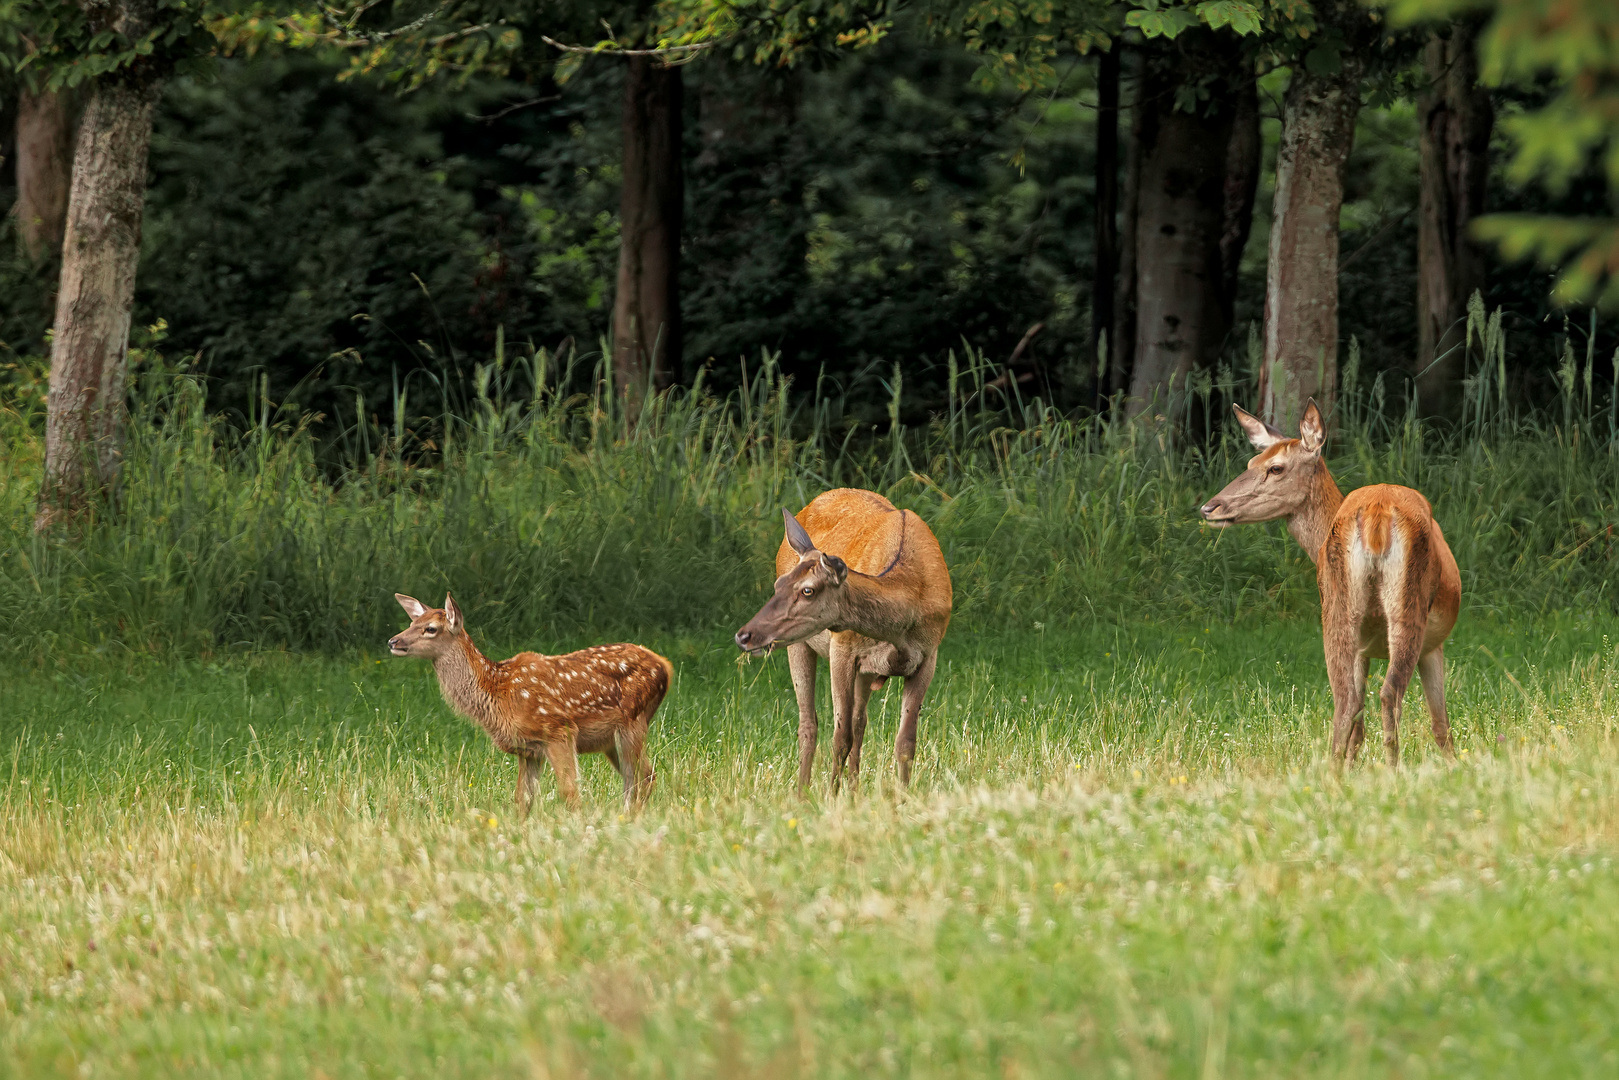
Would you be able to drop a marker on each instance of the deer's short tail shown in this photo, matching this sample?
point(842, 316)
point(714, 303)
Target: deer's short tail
point(660, 685)
point(1376, 529)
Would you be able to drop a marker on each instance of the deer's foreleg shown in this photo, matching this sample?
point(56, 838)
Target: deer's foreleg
point(801, 662)
point(528, 774)
point(916, 688)
point(844, 668)
point(564, 758)
point(1431, 668)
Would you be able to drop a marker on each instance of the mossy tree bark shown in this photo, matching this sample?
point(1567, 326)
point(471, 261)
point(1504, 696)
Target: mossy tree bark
point(646, 306)
point(1301, 285)
point(1104, 279)
point(100, 253)
point(44, 170)
point(1456, 119)
point(1181, 316)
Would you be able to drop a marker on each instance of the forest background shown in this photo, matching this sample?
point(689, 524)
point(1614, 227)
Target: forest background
point(337, 205)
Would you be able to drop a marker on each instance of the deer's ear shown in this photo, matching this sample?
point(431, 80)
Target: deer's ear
point(835, 567)
point(413, 607)
point(1312, 429)
point(797, 538)
point(1261, 434)
point(451, 612)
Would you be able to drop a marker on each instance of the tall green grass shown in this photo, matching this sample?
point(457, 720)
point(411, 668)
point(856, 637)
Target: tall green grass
point(550, 515)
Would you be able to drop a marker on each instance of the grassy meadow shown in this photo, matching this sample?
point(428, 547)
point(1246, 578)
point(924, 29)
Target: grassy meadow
point(237, 839)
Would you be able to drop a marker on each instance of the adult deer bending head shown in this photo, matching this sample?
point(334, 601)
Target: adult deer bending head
point(870, 592)
point(809, 598)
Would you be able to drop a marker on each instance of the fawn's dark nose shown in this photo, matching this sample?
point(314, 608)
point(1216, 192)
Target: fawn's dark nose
point(744, 638)
point(1209, 507)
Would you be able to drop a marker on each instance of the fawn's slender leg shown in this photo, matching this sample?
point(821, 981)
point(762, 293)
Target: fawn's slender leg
point(564, 757)
point(528, 774)
point(611, 753)
point(1432, 670)
point(863, 686)
point(638, 775)
point(844, 667)
point(916, 688)
point(801, 661)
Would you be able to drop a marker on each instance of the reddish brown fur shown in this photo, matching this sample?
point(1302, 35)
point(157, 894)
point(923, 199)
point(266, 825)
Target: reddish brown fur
point(1390, 587)
point(597, 700)
point(879, 605)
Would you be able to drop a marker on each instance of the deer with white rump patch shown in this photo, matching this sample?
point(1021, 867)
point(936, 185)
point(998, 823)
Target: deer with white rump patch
point(1389, 584)
point(871, 593)
point(595, 701)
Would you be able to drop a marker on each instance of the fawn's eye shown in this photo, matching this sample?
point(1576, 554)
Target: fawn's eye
point(807, 591)
point(432, 629)
point(1275, 470)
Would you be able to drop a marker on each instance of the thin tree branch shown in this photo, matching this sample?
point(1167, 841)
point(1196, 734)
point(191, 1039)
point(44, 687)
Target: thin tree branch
point(667, 50)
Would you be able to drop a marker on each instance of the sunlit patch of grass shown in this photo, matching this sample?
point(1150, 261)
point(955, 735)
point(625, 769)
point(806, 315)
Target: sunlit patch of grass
point(1137, 863)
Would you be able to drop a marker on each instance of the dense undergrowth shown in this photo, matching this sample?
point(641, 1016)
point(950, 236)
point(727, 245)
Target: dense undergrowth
point(548, 514)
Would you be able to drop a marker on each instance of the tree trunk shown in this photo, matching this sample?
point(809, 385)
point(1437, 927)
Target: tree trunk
point(1123, 345)
point(1454, 144)
point(1241, 182)
point(100, 253)
point(1104, 339)
point(1301, 284)
point(1180, 320)
point(44, 170)
point(646, 308)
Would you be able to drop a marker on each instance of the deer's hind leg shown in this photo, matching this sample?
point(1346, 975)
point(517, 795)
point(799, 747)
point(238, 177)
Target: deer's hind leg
point(637, 768)
point(863, 687)
point(1341, 613)
point(1431, 669)
point(916, 688)
point(1405, 648)
point(1357, 691)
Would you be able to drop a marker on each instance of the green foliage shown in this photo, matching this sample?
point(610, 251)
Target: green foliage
point(52, 44)
point(552, 517)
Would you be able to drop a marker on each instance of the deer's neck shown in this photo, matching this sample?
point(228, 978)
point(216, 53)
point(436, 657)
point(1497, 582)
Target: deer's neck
point(1311, 523)
point(877, 608)
point(465, 678)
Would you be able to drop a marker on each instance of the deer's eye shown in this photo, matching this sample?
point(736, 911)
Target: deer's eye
point(1275, 470)
point(807, 591)
point(432, 629)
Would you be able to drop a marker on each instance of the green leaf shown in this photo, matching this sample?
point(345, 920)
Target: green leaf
point(1323, 61)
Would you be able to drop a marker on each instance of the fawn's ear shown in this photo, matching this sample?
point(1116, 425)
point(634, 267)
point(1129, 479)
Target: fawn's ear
point(413, 607)
point(1261, 434)
point(452, 613)
point(1312, 429)
point(797, 538)
point(836, 567)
